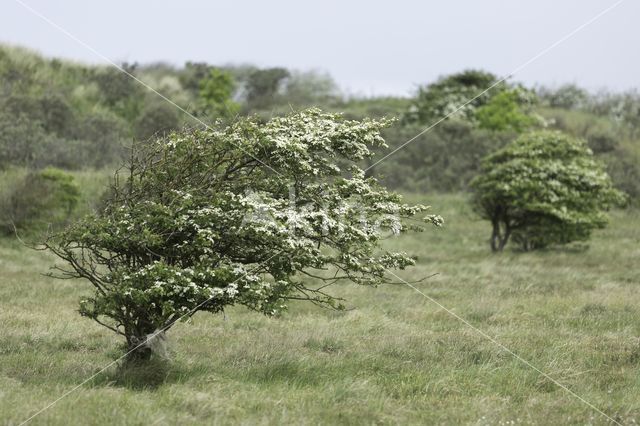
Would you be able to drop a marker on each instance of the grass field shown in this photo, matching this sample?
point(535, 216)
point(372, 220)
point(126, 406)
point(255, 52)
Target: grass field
point(396, 358)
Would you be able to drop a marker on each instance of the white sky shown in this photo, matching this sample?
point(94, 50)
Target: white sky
point(370, 47)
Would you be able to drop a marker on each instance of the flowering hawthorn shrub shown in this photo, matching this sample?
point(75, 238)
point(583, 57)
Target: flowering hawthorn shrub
point(544, 188)
point(255, 214)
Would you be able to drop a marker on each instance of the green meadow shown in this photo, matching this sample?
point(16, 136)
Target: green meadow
point(394, 357)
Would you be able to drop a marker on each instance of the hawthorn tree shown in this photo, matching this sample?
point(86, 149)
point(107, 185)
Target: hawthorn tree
point(255, 214)
point(544, 188)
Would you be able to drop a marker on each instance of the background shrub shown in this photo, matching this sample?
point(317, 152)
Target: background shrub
point(544, 188)
point(39, 199)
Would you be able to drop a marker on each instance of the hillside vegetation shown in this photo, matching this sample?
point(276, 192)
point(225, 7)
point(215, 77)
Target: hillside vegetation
point(74, 116)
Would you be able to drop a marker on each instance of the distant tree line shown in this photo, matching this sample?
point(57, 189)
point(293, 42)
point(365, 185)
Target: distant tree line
point(74, 116)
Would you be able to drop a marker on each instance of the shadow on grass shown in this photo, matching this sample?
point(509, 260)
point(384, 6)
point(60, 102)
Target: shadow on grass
point(554, 249)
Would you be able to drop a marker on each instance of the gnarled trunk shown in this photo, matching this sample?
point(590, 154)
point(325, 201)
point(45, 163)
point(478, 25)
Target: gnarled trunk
point(141, 339)
point(138, 348)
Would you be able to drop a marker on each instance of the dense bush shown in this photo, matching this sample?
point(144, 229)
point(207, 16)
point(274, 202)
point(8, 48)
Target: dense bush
point(20, 140)
point(568, 96)
point(119, 91)
point(623, 165)
point(215, 95)
point(54, 113)
point(508, 110)
point(104, 137)
point(192, 74)
point(96, 140)
point(41, 199)
point(51, 110)
point(156, 118)
point(544, 188)
point(443, 97)
point(263, 87)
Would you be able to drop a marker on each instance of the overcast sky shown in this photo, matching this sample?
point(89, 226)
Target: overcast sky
point(369, 47)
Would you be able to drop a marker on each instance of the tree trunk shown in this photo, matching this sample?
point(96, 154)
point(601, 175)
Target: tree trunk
point(499, 239)
point(138, 353)
point(495, 235)
point(137, 348)
point(139, 344)
point(505, 237)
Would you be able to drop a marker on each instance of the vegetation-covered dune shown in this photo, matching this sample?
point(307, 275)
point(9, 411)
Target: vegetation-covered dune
point(540, 165)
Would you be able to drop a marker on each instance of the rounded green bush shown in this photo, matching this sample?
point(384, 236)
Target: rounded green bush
point(544, 188)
